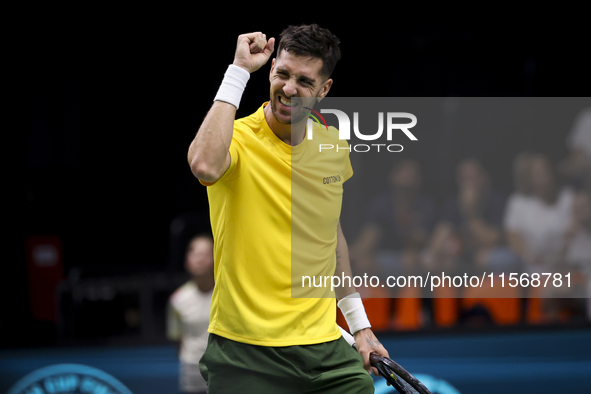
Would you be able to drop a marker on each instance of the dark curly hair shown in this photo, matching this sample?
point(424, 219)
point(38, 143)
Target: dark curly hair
point(314, 41)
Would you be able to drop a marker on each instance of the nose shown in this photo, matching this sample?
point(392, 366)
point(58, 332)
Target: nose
point(290, 88)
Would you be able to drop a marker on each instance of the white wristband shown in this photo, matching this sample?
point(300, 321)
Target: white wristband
point(354, 312)
point(233, 85)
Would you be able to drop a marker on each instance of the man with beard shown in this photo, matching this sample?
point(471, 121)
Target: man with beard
point(262, 338)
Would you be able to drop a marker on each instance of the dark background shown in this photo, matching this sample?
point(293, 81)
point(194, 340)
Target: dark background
point(108, 101)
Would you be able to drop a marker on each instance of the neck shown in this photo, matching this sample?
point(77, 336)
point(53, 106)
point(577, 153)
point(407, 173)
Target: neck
point(291, 134)
point(204, 283)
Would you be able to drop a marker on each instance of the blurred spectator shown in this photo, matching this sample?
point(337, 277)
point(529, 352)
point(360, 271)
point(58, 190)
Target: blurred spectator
point(397, 224)
point(536, 227)
point(470, 231)
point(576, 256)
point(577, 247)
point(576, 167)
point(521, 183)
point(521, 175)
point(188, 312)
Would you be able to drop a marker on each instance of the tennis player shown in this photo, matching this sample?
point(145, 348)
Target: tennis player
point(263, 340)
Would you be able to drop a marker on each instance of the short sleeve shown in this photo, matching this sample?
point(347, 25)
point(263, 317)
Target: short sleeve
point(234, 159)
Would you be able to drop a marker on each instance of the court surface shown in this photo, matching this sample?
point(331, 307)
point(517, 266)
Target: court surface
point(509, 362)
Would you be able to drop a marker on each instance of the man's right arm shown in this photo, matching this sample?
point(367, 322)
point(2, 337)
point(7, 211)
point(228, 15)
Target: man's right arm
point(208, 154)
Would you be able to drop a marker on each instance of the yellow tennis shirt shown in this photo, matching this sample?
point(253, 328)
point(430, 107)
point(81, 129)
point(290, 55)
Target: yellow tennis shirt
point(275, 206)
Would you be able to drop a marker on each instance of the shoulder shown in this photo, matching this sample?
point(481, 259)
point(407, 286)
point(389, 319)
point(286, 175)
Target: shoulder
point(515, 201)
point(182, 293)
point(247, 125)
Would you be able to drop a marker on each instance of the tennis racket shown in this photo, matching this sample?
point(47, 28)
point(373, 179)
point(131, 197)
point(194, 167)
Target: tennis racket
point(402, 380)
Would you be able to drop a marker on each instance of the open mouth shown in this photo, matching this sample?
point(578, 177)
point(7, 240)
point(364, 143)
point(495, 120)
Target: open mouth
point(285, 101)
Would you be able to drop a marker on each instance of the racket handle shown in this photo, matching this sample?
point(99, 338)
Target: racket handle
point(374, 358)
point(351, 341)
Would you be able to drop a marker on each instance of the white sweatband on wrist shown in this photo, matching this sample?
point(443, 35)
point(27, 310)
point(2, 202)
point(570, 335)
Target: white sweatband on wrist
point(354, 312)
point(233, 85)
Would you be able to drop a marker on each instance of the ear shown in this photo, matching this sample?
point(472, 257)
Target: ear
point(272, 68)
point(324, 89)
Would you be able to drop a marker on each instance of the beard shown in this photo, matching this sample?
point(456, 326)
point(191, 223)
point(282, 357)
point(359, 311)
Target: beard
point(298, 114)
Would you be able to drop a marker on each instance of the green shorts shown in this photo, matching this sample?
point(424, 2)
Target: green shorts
point(332, 367)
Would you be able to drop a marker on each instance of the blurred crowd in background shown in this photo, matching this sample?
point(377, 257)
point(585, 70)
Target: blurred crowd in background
point(542, 226)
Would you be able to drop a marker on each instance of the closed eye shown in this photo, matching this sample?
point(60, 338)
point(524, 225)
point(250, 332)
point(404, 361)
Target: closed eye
point(306, 82)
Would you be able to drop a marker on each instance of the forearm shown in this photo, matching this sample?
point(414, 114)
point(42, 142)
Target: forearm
point(352, 308)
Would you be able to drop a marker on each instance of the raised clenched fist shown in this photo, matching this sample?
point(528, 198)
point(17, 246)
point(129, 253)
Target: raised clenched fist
point(253, 51)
